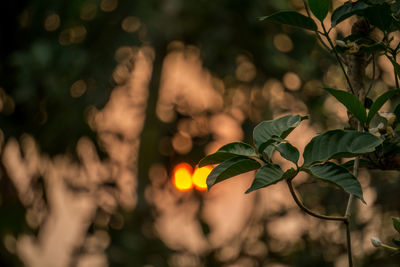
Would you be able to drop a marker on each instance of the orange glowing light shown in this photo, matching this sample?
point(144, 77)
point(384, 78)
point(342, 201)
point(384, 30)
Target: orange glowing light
point(182, 177)
point(185, 179)
point(200, 176)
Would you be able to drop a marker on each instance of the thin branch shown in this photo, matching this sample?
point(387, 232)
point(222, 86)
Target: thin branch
point(395, 72)
point(338, 58)
point(349, 206)
point(351, 197)
point(308, 211)
point(348, 237)
point(326, 34)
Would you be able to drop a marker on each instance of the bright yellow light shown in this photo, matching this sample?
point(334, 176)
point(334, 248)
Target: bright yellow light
point(182, 178)
point(200, 176)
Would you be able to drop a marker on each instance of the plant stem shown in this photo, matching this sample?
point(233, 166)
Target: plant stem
point(348, 237)
point(395, 72)
point(337, 58)
point(326, 34)
point(373, 75)
point(308, 211)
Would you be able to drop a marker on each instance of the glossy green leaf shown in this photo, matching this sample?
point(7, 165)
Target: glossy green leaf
point(267, 175)
point(396, 224)
point(268, 151)
point(319, 8)
point(339, 176)
point(228, 151)
point(339, 143)
point(288, 152)
point(351, 102)
point(230, 168)
point(379, 102)
point(264, 132)
point(347, 10)
point(292, 18)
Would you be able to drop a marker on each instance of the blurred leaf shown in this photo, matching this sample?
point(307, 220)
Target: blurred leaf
point(396, 66)
point(339, 176)
point(267, 175)
point(396, 241)
point(230, 168)
point(349, 165)
point(292, 18)
point(265, 131)
point(319, 8)
point(347, 10)
point(379, 102)
point(396, 224)
point(397, 113)
point(228, 151)
point(339, 143)
point(351, 102)
point(288, 151)
point(380, 16)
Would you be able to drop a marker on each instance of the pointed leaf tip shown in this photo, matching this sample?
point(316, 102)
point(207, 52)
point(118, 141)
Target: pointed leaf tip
point(293, 19)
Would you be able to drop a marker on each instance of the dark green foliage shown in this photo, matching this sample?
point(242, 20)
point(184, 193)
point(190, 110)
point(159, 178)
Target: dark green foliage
point(339, 143)
point(293, 19)
point(227, 152)
point(337, 175)
point(319, 8)
point(230, 168)
point(288, 151)
point(347, 10)
point(265, 132)
point(267, 175)
point(351, 102)
point(379, 102)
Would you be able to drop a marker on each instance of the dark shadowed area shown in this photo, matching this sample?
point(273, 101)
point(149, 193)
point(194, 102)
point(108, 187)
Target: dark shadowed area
point(106, 107)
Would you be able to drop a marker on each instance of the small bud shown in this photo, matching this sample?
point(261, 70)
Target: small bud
point(376, 242)
point(341, 43)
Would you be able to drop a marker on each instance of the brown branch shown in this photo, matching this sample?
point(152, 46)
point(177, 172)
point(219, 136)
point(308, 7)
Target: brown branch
point(308, 211)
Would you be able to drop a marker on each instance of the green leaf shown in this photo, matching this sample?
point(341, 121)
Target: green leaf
point(267, 175)
point(396, 66)
point(379, 102)
point(339, 176)
point(347, 10)
point(265, 131)
point(288, 151)
point(230, 168)
point(339, 143)
point(268, 151)
point(292, 18)
point(319, 8)
point(351, 102)
point(396, 224)
point(228, 151)
point(397, 113)
point(380, 16)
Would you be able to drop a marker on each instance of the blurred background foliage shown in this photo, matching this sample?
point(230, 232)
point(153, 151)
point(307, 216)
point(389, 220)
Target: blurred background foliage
point(61, 60)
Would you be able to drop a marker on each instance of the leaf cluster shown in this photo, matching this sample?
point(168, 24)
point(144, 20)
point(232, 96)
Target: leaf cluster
point(269, 136)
